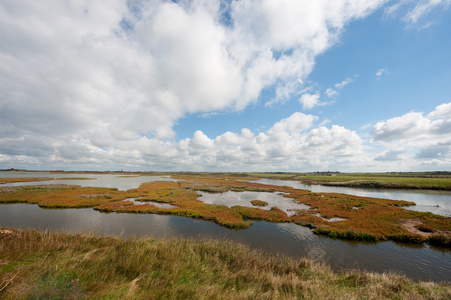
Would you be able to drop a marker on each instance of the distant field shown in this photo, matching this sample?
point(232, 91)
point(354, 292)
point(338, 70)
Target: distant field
point(417, 181)
point(426, 180)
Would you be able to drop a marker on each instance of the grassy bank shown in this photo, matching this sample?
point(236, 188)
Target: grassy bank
point(34, 179)
point(50, 265)
point(399, 181)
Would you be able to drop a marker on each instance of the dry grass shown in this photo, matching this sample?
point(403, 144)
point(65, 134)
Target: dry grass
point(83, 266)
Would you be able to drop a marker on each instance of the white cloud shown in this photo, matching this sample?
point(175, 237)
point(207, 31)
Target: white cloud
point(422, 8)
point(89, 84)
point(309, 101)
point(423, 136)
point(389, 155)
point(441, 111)
point(415, 10)
point(380, 72)
point(295, 124)
point(345, 82)
point(290, 144)
point(208, 115)
point(330, 92)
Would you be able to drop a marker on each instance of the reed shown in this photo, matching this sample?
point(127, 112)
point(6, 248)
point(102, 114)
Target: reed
point(49, 265)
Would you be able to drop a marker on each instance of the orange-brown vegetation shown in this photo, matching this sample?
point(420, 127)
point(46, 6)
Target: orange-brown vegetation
point(34, 179)
point(259, 203)
point(14, 180)
point(365, 218)
point(59, 195)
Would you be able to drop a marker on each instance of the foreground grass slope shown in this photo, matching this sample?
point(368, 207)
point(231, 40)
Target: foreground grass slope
point(50, 265)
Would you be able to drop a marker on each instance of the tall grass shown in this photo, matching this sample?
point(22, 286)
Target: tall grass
point(51, 265)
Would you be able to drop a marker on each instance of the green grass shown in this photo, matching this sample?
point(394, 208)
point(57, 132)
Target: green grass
point(51, 265)
point(381, 181)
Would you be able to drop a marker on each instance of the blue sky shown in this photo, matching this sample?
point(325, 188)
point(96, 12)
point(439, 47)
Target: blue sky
point(416, 70)
point(213, 85)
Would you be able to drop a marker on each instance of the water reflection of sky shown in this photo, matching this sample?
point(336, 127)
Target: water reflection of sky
point(136, 201)
point(230, 199)
point(426, 200)
point(419, 262)
point(121, 182)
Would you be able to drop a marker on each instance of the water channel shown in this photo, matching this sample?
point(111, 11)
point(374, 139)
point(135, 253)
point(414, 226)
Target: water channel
point(416, 261)
point(437, 202)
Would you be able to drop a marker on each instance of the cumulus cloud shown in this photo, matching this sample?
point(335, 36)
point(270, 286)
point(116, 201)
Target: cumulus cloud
point(309, 101)
point(89, 84)
point(290, 144)
point(427, 136)
point(441, 111)
point(295, 124)
point(390, 155)
point(330, 92)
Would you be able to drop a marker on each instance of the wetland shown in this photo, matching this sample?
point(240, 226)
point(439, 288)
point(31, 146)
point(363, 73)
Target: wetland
point(219, 207)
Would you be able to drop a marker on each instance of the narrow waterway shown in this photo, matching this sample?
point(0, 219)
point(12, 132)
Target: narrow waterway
point(437, 202)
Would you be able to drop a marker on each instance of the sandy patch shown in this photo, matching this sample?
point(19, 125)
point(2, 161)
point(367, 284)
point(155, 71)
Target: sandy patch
point(410, 224)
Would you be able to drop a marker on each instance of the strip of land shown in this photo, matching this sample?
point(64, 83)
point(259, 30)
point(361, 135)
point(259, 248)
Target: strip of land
point(34, 179)
point(425, 180)
point(49, 265)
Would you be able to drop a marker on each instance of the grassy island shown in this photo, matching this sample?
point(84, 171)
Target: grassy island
point(259, 203)
point(49, 265)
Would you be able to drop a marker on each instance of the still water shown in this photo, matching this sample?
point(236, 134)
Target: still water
point(426, 200)
point(121, 182)
point(230, 199)
point(418, 261)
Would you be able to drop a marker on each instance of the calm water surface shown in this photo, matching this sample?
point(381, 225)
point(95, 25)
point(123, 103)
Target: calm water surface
point(121, 182)
point(231, 198)
point(418, 262)
point(426, 200)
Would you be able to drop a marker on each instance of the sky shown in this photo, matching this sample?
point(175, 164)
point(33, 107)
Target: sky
point(222, 85)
